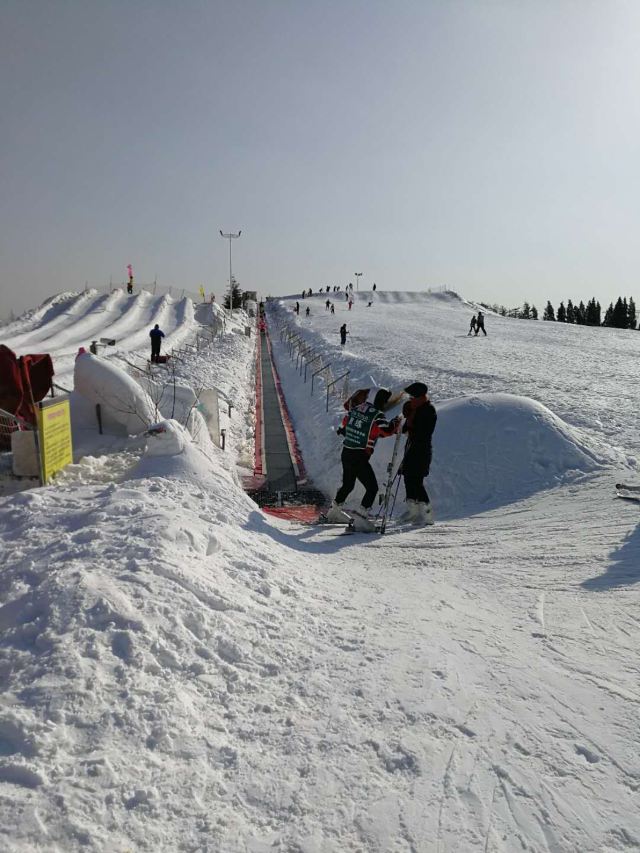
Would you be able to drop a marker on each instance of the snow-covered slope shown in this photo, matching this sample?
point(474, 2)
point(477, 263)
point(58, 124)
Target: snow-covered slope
point(73, 320)
point(179, 672)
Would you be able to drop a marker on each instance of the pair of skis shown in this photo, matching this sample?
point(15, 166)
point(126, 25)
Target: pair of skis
point(628, 492)
point(386, 495)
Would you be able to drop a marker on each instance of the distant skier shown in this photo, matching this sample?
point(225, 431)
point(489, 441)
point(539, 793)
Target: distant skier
point(297, 308)
point(480, 324)
point(361, 427)
point(327, 305)
point(472, 325)
point(350, 304)
point(343, 334)
point(420, 422)
point(374, 288)
point(156, 336)
point(333, 308)
point(307, 311)
point(130, 282)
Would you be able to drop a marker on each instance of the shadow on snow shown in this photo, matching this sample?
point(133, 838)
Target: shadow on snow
point(624, 568)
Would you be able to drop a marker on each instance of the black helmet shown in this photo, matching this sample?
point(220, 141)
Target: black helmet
point(416, 389)
point(382, 398)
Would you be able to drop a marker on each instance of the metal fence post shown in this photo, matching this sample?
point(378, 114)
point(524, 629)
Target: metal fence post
point(319, 370)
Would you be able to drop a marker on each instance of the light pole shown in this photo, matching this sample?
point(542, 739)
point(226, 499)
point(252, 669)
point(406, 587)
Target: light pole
point(230, 237)
point(357, 275)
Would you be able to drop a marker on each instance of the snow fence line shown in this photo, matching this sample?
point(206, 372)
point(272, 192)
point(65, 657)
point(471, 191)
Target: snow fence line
point(309, 364)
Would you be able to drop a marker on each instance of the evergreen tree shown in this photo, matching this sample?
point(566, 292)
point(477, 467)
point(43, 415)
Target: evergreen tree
point(561, 316)
point(549, 313)
point(619, 315)
point(237, 296)
point(593, 313)
point(525, 314)
point(631, 314)
point(571, 312)
point(581, 314)
point(534, 312)
point(608, 316)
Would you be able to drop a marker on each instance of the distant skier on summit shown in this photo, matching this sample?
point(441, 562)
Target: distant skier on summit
point(480, 323)
point(361, 427)
point(472, 325)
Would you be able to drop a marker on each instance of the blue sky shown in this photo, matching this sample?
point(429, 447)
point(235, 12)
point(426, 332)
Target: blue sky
point(488, 146)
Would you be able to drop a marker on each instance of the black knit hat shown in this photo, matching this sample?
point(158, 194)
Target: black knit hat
point(416, 389)
point(382, 398)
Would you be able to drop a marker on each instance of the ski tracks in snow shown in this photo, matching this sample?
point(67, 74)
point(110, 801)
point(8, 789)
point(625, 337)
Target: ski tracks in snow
point(454, 621)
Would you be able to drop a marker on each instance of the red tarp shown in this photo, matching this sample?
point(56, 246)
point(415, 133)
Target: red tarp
point(23, 382)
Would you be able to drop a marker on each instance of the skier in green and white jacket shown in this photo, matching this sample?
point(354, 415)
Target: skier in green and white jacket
point(361, 427)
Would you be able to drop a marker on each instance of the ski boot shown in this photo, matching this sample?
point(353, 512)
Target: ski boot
point(424, 515)
point(361, 523)
point(411, 513)
point(337, 515)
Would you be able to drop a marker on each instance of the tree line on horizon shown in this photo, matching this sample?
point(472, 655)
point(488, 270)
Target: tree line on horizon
point(622, 315)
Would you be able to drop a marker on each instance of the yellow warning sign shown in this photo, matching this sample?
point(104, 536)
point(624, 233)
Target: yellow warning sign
point(54, 437)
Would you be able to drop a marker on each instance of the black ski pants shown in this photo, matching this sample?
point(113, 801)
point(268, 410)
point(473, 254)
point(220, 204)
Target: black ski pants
point(414, 486)
point(155, 349)
point(415, 467)
point(356, 466)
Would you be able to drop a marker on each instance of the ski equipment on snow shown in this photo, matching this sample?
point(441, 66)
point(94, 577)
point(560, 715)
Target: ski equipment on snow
point(389, 482)
point(627, 487)
point(628, 492)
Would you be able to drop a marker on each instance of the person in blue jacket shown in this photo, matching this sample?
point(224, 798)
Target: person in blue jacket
point(156, 335)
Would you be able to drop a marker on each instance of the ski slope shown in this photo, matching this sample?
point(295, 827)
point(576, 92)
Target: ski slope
point(181, 672)
point(74, 320)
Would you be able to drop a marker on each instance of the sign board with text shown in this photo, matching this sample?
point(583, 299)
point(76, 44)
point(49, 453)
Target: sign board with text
point(54, 437)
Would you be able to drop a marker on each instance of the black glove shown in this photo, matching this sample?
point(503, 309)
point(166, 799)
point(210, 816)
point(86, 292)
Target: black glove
point(341, 431)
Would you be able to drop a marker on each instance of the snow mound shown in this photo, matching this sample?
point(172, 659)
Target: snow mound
point(121, 398)
point(167, 439)
point(172, 453)
point(495, 449)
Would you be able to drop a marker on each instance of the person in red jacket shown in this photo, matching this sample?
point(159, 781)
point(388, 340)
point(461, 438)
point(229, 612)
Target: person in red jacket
point(361, 427)
point(420, 422)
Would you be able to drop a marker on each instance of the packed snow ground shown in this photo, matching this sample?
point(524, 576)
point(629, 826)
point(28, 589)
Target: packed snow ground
point(181, 672)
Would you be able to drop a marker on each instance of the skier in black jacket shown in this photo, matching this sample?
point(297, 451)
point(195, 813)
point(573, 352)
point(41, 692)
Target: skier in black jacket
point(420, 422)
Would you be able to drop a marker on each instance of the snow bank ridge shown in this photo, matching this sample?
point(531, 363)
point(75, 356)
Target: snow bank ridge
point(495, 449)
